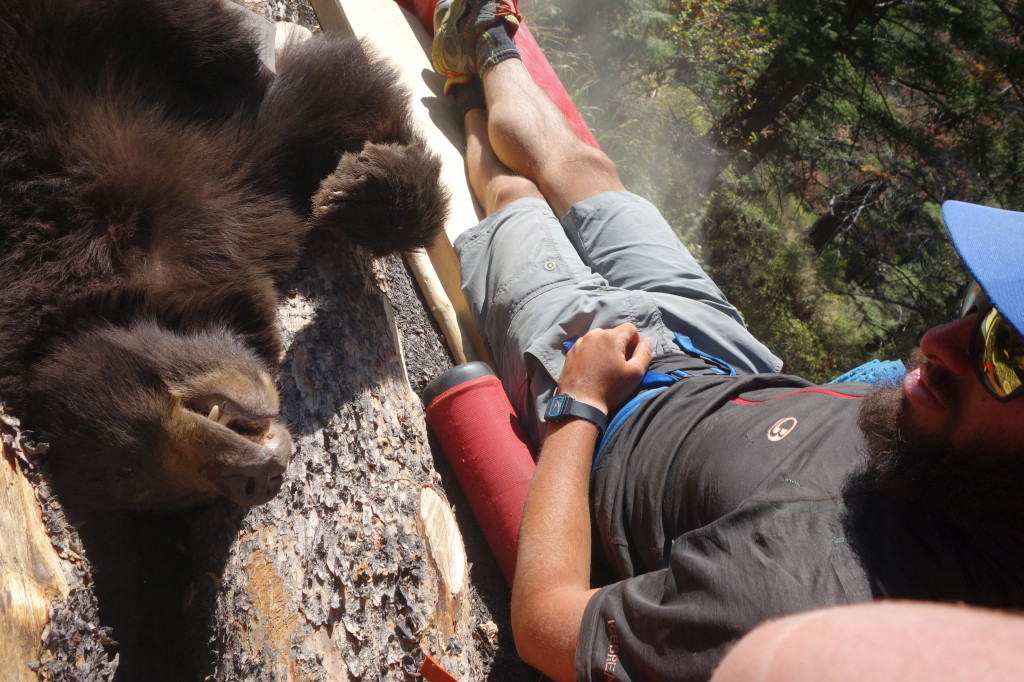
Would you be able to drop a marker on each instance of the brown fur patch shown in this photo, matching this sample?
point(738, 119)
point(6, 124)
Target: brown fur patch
point(156, 181)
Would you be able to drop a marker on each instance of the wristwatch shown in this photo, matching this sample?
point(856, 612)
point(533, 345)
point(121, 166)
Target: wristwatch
point(563, 407)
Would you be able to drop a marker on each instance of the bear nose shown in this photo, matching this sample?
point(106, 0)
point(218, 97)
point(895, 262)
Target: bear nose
point(254, 484)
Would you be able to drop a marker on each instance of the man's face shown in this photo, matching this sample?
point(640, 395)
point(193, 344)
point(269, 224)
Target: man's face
point(944, 395)
point(942, 439)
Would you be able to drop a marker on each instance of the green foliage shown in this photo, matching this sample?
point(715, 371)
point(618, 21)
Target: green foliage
point(847, 123)
point(771, 275)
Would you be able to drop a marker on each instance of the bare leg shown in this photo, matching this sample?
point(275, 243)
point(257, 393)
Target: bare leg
point(493, 183)
point(530, 135)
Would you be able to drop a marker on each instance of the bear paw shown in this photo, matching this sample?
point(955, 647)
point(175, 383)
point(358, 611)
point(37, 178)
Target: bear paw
point(386, 198)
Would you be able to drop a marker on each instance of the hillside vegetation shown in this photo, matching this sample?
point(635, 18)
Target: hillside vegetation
point(802, 148)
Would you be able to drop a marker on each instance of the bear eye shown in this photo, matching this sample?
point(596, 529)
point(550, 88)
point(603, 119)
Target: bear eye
point(126, 472)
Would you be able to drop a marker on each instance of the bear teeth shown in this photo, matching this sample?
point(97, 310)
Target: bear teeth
point(219, 416)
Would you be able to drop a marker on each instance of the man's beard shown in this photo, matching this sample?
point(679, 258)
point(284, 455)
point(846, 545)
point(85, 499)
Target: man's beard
point(974, 487)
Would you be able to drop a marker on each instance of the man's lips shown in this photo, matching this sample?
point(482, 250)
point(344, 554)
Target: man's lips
point(918, 393)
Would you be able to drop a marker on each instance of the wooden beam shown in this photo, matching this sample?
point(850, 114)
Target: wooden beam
point(399, 36)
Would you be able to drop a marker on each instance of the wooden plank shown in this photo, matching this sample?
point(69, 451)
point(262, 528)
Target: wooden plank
point(398, 35)
point(331, 18)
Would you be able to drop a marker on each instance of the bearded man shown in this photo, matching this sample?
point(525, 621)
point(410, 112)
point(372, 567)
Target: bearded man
point(685, 490)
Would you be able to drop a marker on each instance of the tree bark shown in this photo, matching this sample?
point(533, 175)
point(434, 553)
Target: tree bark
point(332, 579)
point(49, 624)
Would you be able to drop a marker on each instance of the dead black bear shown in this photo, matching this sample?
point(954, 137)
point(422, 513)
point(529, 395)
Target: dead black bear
point(155, 181)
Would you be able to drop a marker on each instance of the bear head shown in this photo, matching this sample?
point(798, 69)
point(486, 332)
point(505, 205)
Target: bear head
point(148, 417)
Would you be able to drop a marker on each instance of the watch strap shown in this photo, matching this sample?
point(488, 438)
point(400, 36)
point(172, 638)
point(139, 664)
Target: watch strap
point(563, 406)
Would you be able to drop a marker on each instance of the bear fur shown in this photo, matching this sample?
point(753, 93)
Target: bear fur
point(156, 183)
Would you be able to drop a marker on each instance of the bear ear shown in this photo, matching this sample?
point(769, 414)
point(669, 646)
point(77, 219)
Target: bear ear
point(386, 198)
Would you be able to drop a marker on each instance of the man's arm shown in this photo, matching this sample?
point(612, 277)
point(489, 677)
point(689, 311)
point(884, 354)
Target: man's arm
point(552, 581)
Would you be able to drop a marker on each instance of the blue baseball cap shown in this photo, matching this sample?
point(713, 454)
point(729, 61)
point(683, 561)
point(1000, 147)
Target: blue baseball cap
point(990, 242)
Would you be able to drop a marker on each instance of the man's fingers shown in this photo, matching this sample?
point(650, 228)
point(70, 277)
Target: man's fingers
point(642, 353)
point(640, 357)
point(636, 347)
point(632, 339)
point(627, 331)
point(605, 365)
point(625, 339)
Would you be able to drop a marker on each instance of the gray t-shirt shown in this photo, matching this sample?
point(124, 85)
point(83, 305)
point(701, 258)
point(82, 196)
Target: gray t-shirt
point(726, 501)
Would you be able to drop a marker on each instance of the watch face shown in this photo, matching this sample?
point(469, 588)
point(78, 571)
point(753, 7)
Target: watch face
point(556, 407)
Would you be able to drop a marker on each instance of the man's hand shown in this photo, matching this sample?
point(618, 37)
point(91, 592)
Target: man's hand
point(605, 366)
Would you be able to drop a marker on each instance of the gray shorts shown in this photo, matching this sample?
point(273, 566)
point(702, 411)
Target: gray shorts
point(534, 282)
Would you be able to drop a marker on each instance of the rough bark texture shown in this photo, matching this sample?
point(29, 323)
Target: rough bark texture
point(331, 580)
point(48, 613)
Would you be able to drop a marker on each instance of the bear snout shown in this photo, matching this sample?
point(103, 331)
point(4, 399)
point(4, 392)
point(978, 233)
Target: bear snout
point(254, 484)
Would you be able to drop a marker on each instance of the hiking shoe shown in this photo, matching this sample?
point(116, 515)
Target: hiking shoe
point(459, 25)
point(440, 9)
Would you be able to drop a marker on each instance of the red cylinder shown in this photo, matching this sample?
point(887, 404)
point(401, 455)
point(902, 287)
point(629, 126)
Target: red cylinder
point(488, 451)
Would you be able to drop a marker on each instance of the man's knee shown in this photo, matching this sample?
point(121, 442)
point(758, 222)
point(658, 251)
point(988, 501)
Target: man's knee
point(584, 173)
point(585, 162)
point(507, 189)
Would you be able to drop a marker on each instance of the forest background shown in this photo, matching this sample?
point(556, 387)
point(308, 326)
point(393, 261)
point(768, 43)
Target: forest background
point(802, 148)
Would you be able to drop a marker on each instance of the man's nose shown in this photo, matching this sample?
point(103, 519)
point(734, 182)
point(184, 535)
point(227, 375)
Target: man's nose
point(950, 344)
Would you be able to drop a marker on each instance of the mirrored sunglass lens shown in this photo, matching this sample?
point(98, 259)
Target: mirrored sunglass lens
point(971, 298)
point(1002, 355)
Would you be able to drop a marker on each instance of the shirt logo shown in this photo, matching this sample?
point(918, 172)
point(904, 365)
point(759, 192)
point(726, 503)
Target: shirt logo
point(781, 429)
point(611, 661)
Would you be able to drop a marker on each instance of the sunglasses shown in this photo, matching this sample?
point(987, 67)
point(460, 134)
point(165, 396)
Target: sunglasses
point(997, 350)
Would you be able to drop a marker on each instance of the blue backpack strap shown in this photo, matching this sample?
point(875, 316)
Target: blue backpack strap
point(720, 366)
point(624, 413)
point(654, 379)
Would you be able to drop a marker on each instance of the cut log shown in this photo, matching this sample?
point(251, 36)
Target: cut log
point(332, 579)
point(49, 626)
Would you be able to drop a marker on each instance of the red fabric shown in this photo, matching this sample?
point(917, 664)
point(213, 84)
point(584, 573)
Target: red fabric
point(534, 60)
point(422, 9)
point(825, 391)
point(487, 448)
point(431, 671)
